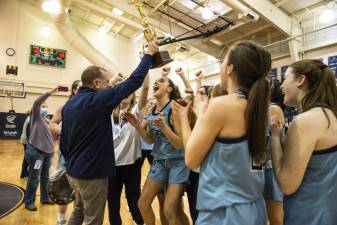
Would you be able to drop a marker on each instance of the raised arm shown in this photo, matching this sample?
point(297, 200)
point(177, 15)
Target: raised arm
point(199, 77)
point(181, 73)
point(116, 79)
point(144, 92)
point(35, 115)
point(209, 123)
point(111, 97)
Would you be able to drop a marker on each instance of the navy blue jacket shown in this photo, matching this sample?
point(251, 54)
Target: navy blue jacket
point(86, 138)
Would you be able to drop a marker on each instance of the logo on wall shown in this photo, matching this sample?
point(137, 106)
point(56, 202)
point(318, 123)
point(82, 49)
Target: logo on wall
point(11, 118)
point(10, 128)
point(11, 124)
point(11, 70)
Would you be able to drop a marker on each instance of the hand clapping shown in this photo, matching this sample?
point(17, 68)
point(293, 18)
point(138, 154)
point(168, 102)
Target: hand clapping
point(160, 122)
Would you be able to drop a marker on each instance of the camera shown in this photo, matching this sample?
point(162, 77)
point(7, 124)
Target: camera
point(249, 16)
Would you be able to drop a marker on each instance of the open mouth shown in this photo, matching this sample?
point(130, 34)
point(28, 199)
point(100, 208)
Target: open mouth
point(155, 88)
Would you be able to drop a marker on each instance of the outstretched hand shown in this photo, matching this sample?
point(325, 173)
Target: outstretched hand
point(54, 90)
point(180, 110)
point(180, 71)
point(152, 48)
point(131, 118)
point(160, 121)
point(116, 79)
point(165, 71)
point(198, 75)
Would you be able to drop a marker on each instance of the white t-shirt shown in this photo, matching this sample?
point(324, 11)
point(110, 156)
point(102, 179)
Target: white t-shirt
point(126, 140)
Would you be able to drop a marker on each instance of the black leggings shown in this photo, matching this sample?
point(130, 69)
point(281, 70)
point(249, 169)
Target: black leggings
point(192, 190)
point(129, 176)
point(146, 154)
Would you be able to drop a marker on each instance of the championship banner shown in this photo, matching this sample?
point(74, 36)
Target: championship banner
point(11, 124)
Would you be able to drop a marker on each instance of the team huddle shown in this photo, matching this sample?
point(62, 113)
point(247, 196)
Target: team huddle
point(225, 146)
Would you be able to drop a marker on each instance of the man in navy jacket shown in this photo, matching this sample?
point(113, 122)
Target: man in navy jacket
point(86, 137)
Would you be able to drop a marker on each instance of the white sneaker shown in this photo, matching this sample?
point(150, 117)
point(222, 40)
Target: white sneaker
point(61, 222)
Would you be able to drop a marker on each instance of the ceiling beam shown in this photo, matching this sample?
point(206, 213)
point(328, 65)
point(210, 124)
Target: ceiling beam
point(240, 37)
point(119, 29)
point(172, 2)
point(280, 3)
point(112, 24)
point(157, 7)
point(311, 7)
point(108, 13)
point(272, 14)
point(86, 15)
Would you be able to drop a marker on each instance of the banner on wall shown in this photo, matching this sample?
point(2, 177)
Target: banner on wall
point(11, 124)
point(273, 74)
point(283, 71)
point(332, 63)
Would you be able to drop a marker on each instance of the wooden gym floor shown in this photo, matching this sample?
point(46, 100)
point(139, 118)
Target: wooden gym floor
point(11, 155)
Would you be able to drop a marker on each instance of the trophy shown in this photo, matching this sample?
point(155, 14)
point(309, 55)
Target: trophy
point(160, 58)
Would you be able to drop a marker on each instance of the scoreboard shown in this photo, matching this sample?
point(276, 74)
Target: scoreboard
point(47, 56)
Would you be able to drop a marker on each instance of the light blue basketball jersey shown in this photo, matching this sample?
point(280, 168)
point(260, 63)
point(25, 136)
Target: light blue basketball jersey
point(271, 188)
point(230, 186)
point(145, 146)
point(162, 148)
point(315, 201)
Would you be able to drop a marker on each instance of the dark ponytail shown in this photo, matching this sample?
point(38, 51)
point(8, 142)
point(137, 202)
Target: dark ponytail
point(276, 95)
point(175, 94)
point(74, 87)
point(256, 118)
point(321, 83)
point(251, 64)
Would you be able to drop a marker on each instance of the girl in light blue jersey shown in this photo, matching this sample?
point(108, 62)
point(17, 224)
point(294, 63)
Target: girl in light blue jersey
point(168, 167)
point(272, 193)
point(228, 140)
point(306, 166)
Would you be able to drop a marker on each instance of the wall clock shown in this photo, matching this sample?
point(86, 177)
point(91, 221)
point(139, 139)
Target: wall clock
point(10, 51)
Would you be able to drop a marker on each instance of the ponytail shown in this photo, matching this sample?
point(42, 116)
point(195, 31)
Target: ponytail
point(175, 94)
point(251, 64)
point(255, 116)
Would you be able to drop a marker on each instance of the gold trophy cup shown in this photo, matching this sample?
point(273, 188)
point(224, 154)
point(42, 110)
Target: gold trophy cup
point(160, 58)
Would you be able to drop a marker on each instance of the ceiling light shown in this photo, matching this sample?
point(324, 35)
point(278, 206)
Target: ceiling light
point(45, 30)
point(327, 15)
point(51, 6)
point(207, 13)
point(117, 11)
point(138, 37)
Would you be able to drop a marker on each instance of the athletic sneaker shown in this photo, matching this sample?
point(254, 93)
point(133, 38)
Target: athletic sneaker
point(31, 207)
point(61, 222)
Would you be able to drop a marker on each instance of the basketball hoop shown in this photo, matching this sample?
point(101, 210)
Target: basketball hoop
point(11, 89)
